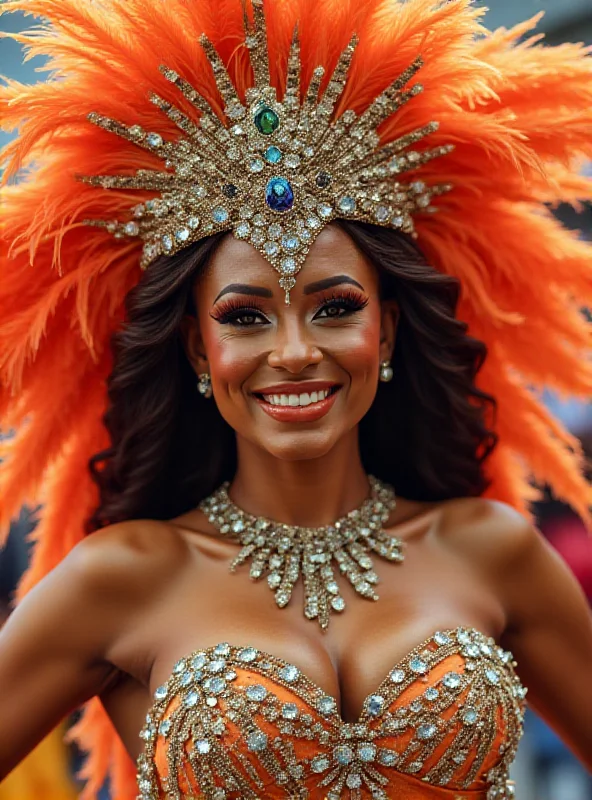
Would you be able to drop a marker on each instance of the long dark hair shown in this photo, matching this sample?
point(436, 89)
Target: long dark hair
point(427, 433)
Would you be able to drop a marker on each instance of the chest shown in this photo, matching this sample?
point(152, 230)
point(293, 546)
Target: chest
point(208, 605)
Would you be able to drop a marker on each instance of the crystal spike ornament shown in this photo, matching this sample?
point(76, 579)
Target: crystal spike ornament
point(274, 173)
point(286, 553)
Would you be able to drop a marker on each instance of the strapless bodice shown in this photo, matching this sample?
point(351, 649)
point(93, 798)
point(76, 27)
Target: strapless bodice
point(235, 722)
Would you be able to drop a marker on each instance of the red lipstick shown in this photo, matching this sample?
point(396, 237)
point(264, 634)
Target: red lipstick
point(309, 413)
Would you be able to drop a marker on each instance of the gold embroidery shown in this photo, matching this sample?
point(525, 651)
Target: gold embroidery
point(227, 731)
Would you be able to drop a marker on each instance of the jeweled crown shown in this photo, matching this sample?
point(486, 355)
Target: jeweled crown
point(275, 173)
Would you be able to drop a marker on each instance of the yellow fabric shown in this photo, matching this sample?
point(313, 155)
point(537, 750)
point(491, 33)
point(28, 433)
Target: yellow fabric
point(44, 773)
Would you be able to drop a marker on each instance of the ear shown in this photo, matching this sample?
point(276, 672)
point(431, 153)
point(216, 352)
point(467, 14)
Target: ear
point(389, 320)
point(193, 344)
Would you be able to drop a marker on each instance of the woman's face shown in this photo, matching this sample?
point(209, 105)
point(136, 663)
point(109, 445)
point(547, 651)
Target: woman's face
point(291, 379)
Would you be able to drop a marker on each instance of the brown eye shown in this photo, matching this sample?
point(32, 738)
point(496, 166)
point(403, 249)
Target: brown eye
point(245, 319)
point(239, 316)
point(340, 306)
point(333, 311)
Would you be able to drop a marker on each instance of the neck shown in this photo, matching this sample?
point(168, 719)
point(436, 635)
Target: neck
point(308, 493)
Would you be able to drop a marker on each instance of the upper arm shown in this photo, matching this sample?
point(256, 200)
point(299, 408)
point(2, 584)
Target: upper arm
point(550, 633)
point(54, 648)
point(548, 622)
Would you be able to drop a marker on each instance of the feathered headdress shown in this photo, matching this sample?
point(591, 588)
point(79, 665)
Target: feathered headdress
point(518, 114)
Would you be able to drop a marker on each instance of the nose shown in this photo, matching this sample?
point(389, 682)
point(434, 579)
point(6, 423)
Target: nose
point(294, 348)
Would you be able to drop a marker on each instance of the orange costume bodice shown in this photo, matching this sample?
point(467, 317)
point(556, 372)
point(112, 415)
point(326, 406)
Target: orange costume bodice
point(234, 722)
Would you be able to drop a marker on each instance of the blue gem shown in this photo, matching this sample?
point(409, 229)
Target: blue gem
point(273, 155)
point(375, 704)
point(279, 194)
point(219, 214)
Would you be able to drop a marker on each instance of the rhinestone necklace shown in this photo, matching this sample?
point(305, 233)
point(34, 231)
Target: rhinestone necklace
point(287, 552)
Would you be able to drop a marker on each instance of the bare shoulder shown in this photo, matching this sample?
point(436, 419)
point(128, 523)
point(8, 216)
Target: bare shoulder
point(135, 556)
point(491, 534)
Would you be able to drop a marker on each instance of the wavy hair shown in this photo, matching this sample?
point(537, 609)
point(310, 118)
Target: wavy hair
point(427, 433)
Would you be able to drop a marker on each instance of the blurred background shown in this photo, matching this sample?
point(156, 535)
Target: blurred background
point(544, 770)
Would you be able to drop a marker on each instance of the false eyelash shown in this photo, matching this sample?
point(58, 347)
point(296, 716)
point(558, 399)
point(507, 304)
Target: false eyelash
point(232, 308)
point(348, 299)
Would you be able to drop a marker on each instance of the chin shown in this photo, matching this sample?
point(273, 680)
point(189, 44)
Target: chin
point(300, 445)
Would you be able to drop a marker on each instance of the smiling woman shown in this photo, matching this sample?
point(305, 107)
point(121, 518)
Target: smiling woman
point(388, 305)
point(271, 306)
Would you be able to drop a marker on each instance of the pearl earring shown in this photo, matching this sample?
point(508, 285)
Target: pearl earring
point(204, 384)
point(386, 371)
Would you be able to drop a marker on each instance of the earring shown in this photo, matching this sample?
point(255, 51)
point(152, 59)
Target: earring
point(204, 384)
point(386, 371)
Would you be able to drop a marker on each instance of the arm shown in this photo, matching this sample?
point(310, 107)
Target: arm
point(549, 630)
point(548, 621)
point(54, 648)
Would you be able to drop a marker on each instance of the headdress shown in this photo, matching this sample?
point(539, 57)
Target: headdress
point(273, 172)
point(518, 114)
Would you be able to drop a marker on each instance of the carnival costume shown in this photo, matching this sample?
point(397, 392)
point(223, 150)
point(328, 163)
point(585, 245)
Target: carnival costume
point(164, 122)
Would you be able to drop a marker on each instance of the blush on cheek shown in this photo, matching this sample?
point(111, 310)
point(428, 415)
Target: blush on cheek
point(357, 351)
point(232, 362)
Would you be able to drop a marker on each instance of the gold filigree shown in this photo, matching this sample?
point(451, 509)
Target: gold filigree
point(274, 173)
point(288, 553)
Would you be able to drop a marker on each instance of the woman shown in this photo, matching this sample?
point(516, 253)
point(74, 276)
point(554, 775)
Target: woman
point(314, 348)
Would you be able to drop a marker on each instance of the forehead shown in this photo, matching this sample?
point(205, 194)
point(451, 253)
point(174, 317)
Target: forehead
point(333, 252)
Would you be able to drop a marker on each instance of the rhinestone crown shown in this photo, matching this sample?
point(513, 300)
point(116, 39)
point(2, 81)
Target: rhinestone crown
point(275, 173)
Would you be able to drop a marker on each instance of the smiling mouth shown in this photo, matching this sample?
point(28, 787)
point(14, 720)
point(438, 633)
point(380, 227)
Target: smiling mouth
point(300, 400)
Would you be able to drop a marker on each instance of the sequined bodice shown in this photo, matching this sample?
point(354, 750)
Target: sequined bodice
point(235, 722)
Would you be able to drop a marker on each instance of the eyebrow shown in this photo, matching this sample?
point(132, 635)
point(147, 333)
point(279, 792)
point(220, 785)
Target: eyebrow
point(328, 283)
point(245, 288)
point(311, 288)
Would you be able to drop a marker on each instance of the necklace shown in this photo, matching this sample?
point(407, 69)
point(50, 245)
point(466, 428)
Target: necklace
point(287, 552)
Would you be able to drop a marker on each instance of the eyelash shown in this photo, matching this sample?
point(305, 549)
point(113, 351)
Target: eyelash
point(231, 311)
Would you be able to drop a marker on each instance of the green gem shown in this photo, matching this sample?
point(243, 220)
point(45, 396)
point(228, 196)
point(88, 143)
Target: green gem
point(266, 120)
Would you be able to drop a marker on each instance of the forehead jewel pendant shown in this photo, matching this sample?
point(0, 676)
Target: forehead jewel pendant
point(274, 173)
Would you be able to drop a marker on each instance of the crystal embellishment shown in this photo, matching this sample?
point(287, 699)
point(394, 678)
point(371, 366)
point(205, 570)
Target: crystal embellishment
point(281, 553)
point(256, 692)
point(320, 764)
point(326, 705)
point(451, 680)
point(427, 731)
point(343, 754)
point(312, 745)
point(247, 654)
point(375, 704)
point(257, 741)
point(279, 195)
point(418, 665)
point(289, 673)
point(266, 120)
point(331, 153)
point(289, 711)
point(273, 155)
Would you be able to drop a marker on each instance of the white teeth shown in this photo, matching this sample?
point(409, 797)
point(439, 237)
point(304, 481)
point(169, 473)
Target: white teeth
point(295, 400)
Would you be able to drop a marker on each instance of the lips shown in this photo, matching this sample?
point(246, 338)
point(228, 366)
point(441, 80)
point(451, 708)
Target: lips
point(297, 402)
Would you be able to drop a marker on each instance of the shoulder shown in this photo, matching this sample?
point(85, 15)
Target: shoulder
point(136, 555)
point(489, 533)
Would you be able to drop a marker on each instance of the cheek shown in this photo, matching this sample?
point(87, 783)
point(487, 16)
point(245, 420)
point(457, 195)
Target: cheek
point(232, 359)
point(357, 349)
